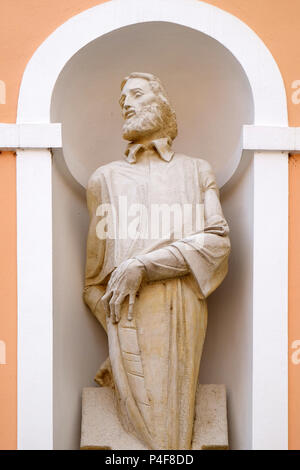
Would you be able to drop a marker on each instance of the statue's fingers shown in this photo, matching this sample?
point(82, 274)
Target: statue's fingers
point(105, 302)
point(131, 304)
point(118, 306)
point(112, 309)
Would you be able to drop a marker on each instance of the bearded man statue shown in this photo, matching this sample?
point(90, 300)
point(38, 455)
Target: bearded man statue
point(147, 288)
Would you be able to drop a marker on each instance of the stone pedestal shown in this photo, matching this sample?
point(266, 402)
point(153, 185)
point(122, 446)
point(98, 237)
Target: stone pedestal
point(101, 428)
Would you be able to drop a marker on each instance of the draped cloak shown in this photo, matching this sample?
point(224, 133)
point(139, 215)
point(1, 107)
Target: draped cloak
point(155, 358)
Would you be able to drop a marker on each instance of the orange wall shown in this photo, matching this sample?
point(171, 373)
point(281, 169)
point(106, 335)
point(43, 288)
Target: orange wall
point(294, 300)
point(24, 26)
point(8, 301)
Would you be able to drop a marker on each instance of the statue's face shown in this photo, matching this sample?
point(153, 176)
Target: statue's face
point(136, 94)
point(141, 110)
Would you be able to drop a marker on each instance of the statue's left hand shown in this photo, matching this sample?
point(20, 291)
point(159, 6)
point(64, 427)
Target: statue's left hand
point(124, 281)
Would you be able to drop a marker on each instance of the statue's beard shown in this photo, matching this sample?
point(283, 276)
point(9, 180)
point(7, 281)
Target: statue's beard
point(147, 122)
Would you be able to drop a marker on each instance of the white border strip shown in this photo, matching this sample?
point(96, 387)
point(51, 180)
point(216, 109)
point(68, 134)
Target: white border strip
point(35, 323)
point(270, 302)
point(271, 138)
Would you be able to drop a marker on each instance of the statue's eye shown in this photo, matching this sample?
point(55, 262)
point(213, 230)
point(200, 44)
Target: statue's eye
point(137, 94)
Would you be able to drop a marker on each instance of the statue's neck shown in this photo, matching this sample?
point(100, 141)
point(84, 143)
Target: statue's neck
point(144, 140)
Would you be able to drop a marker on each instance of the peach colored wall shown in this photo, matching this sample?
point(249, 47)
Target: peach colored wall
point(294, 300)
point(8, 301)
point(24, 26)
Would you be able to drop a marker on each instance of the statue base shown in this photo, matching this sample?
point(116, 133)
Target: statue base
point(102, 430)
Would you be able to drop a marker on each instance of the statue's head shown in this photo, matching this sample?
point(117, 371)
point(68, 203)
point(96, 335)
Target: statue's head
point(146, 109)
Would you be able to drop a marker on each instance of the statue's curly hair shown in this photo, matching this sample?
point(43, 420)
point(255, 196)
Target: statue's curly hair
point(171, 129)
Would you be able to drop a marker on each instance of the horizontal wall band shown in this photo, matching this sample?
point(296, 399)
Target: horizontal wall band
point(268, 138)
point(41, 136)
point(24, 136)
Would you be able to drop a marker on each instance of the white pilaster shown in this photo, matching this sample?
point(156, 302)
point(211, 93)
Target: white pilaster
point(34, 242)
point(270, 310)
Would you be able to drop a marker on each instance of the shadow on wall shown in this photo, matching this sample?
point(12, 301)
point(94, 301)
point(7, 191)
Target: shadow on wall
point(80, 344)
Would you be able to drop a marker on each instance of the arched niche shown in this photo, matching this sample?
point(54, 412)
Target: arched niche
point(207, 86)
point(213, 100)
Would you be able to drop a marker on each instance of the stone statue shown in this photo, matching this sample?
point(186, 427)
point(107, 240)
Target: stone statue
point(157, 247)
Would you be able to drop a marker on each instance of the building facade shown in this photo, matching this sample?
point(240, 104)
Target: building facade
point(45, 46)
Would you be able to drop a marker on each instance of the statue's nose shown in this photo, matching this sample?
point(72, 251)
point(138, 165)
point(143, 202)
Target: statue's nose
point(129, 101)
point(128, 107)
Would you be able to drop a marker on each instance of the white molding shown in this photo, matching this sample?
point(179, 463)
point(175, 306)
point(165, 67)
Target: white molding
point(9, 136)
point(266, 138)
point(270, 302)
point(286, 139)
point(270, 106)
point(15, 136)
point(34, 245)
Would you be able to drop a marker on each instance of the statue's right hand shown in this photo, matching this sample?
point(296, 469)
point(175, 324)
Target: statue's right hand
point(125, 282)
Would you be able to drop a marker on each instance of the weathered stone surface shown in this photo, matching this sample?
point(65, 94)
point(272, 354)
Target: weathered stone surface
point(101, 428)
point(210, 427)
point(147, 281)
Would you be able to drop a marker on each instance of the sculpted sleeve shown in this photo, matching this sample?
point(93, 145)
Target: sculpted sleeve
point(206, 252)
point(165, 263)
point(93, 291)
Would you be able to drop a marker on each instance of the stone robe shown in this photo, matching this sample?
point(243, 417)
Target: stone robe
point(155, 358)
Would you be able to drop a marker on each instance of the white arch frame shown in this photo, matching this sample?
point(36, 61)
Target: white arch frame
point(48, 61)
point(270, 418)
